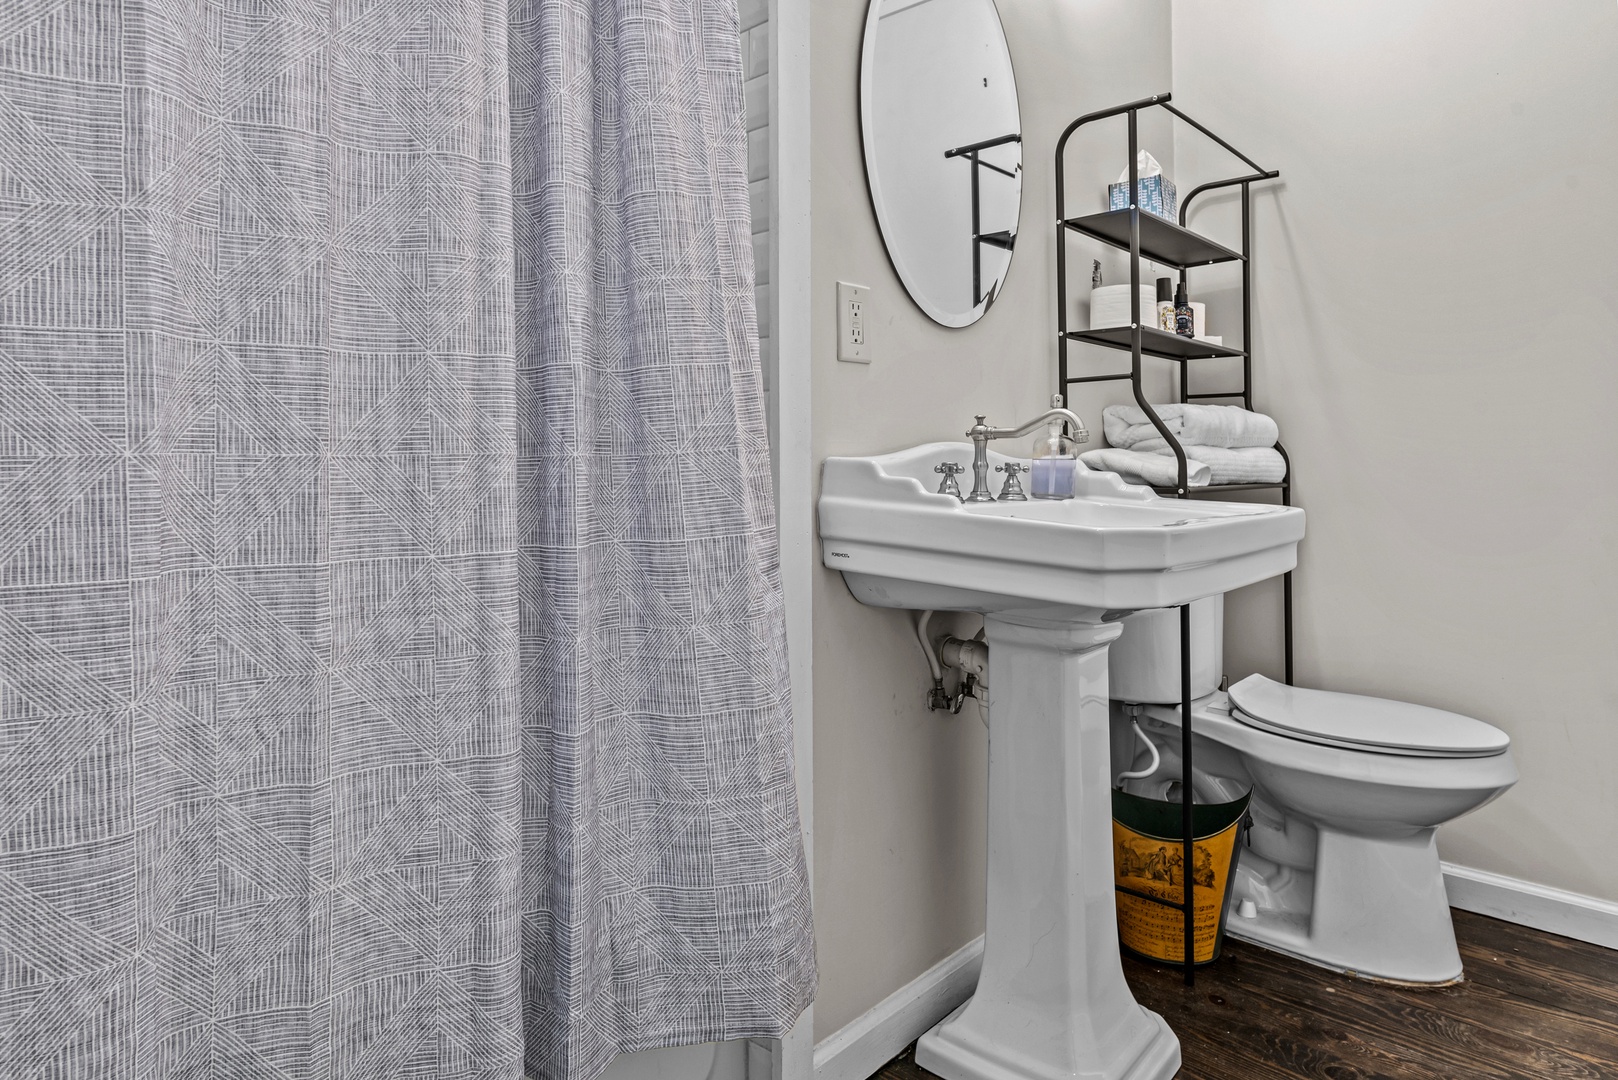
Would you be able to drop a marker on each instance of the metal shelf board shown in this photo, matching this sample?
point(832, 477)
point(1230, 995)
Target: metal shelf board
point(1160, 239)
point(1155, 342)
point(1216, 488)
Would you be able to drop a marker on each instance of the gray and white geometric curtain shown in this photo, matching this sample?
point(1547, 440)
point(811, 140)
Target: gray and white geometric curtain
point(391, 678)
point(663, 888)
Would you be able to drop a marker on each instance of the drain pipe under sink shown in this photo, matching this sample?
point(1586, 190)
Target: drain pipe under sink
point(971, 657)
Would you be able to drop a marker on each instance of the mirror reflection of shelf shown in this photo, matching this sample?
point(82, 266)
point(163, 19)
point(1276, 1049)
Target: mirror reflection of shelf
point(1006, 240)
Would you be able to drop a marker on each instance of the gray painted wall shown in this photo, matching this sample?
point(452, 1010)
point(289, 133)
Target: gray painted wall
point(1436, 306)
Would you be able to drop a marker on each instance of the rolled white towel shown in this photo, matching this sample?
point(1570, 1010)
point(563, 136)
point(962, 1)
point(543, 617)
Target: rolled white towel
point(1148, 469)
point(1230, 465)
point(1199, 425)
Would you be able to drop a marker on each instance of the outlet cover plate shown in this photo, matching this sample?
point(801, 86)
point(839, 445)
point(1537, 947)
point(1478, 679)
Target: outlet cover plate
point(853, 323)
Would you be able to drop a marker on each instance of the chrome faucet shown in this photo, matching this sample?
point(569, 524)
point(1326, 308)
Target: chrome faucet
point(981, 433)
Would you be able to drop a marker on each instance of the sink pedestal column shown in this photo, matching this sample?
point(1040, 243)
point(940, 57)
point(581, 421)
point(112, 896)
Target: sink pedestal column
point(1051, 1001)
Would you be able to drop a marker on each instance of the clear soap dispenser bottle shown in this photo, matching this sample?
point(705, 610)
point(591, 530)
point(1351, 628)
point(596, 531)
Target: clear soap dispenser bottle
point(1054, 462)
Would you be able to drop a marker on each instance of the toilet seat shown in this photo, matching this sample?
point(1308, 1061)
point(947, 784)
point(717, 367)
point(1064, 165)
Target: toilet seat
point(1354, 722)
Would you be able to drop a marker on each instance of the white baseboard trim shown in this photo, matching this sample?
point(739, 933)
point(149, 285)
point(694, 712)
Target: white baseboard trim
point(1555, 911)
point(859, 1049)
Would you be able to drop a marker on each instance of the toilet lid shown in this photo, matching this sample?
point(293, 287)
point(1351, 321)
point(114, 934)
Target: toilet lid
point(1362, 723)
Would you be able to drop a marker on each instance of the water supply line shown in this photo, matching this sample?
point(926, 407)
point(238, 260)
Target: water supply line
point(1133, 712)
point(937, 698)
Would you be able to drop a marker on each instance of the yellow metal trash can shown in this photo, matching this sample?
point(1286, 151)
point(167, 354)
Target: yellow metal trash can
point(1148, 858)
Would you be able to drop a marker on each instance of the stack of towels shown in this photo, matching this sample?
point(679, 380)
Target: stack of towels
point(1224, 444)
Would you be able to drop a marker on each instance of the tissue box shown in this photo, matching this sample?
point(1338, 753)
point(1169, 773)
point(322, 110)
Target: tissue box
point(1157, 196)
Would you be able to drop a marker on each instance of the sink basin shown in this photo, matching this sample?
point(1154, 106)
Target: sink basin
point(1051, 579)
point(1116, 547)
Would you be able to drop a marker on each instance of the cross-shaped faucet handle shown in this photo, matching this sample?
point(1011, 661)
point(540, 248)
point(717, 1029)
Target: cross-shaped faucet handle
point(1012, 490)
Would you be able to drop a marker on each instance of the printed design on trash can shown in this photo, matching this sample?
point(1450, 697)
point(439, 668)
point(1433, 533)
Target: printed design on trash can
point(1149, 868)
point(1153, 862)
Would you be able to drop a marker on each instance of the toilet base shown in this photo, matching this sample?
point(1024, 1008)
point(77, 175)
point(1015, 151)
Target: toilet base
point(1269, 932)
point(1378, 910)
point(957, 1049)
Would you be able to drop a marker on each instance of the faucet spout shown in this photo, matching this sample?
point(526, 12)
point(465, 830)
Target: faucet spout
point(980, 433)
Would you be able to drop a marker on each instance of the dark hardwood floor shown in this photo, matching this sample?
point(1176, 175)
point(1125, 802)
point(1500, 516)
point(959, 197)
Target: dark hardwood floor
point(1532, 1005)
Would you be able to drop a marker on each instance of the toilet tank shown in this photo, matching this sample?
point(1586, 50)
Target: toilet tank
point(1144, 663)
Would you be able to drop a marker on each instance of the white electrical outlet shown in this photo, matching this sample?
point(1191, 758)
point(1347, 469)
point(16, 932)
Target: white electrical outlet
point(853, 317)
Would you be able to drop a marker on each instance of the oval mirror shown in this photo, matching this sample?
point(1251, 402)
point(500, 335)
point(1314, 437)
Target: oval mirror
point(943, 149)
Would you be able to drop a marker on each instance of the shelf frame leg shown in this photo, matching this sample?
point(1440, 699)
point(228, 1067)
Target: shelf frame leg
point(1187, 839)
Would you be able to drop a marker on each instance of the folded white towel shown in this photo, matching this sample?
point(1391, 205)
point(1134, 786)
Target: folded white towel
point(1230, 465)
point(1198, 425)
point(1148, 469)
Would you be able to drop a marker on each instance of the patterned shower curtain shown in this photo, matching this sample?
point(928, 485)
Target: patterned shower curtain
point(391, 675)
point(663, 888)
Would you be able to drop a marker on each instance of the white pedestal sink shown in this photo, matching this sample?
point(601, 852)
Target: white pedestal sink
point(1050, 578)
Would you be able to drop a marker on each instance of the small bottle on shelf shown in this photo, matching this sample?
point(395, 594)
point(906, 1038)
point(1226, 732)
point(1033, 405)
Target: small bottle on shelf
point(1054, 466)
point(1184, 318)
point(1165, 305)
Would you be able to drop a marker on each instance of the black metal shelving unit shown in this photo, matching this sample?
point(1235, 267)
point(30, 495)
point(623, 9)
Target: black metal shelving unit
point(1145, 235)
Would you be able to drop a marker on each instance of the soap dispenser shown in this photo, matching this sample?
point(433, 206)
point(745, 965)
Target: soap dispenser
point(1052, 476)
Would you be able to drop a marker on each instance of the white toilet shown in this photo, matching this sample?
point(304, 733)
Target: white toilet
point(1340, 867)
